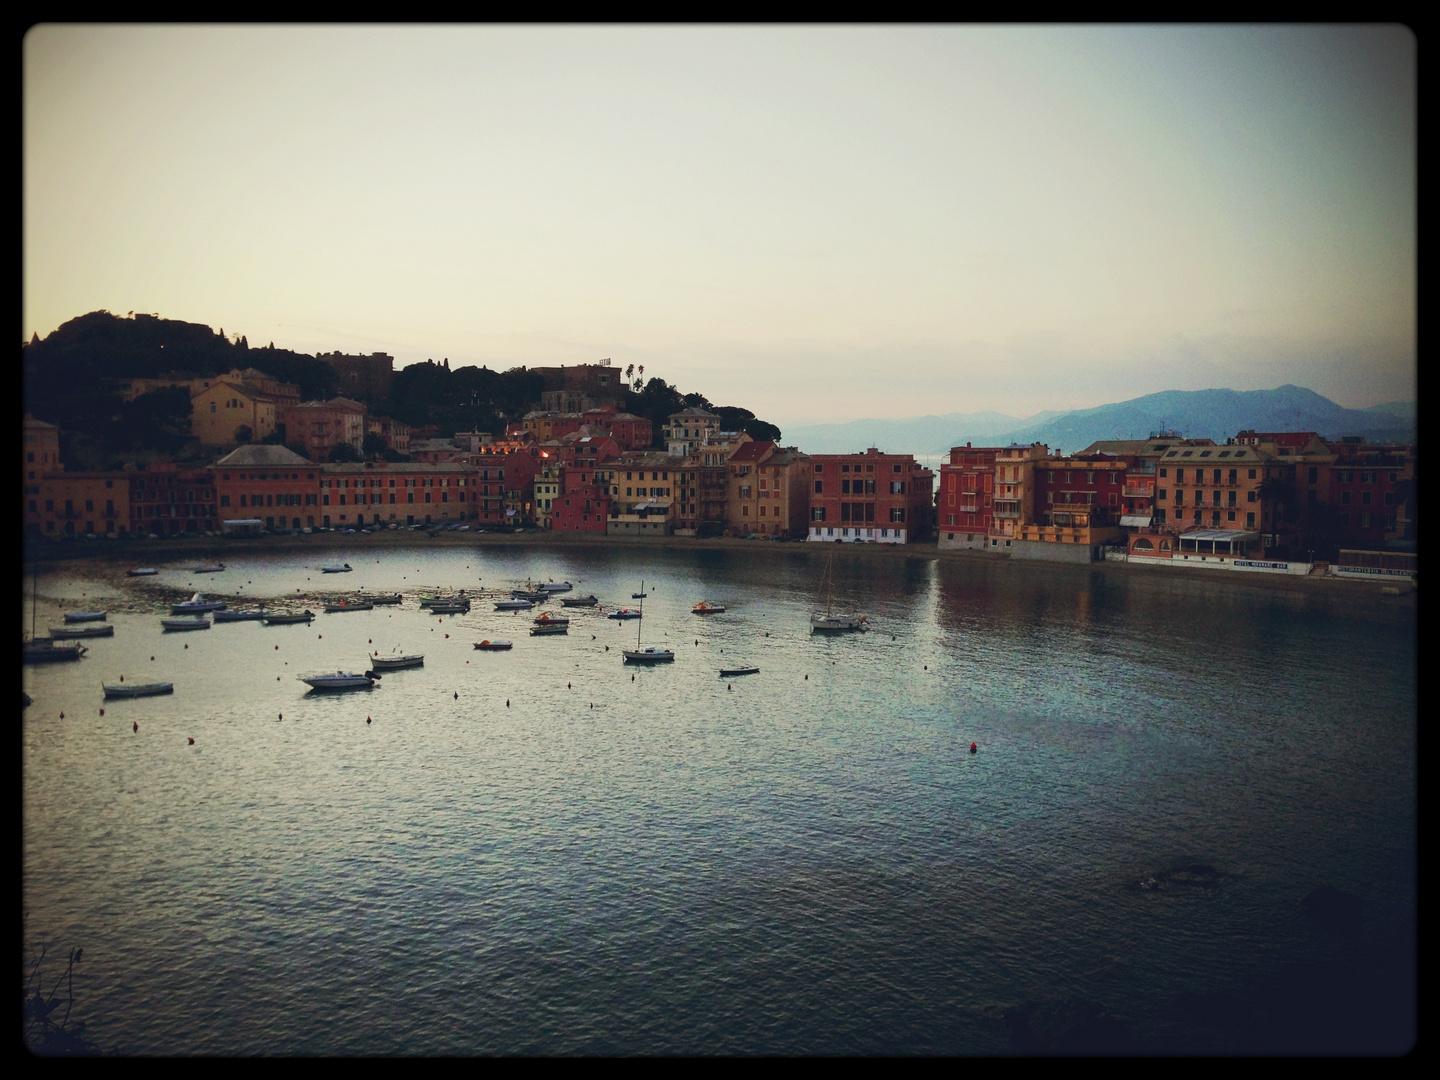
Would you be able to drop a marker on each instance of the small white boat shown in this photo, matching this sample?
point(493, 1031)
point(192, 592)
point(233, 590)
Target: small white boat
point(704, 607)
point(333, 568)
point(557, 586)
point(455, 607)
point(514, 605)
point(431, 601)
point(64, 632)
point(143, 571)
point(542, 629)
point(579, 601)
point(190, 622)
point(529, 594)
point(213, 568)
point(85, 616)
point(549, 618)
point(239, 616)
point(830, 622)
point(397, 663)
point(498, 645)
point(650, 654)
point(624, 613)
point(197, 605)
point(341, 680)
point(286, 619)
point(151, 689)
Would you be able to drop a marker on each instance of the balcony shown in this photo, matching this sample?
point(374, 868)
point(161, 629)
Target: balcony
point(1138, 492)
point(1006, 513)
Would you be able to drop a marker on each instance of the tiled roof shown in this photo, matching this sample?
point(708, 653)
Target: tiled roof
point(262, 456)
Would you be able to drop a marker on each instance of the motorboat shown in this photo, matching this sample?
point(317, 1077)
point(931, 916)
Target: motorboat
point(197, 605)
point(250, 615)
point(557, 586)
point(143, 571)
point(341, 680)
point(430, 601)
point(150, 689)
point(85, 616)
point(336, 568)
point(704, 607)
point(458, 607)
point(285, 619)
point(514, 605)
point(190, 622)
point(579, 601)
point(728, 672)
point(529, 594)
point(624, 613)
point(637, 596)
point(497, 645)
point(347, 605)
point(549, 618)
point(541, 629)
point(650, 654)
point(213, 568)
point(386, 598)
point(47, 652)
point(397, 663)
point(63, 632)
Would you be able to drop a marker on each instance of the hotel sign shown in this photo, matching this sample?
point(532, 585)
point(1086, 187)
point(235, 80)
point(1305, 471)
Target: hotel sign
point(1262, 565)
point(1381, 571)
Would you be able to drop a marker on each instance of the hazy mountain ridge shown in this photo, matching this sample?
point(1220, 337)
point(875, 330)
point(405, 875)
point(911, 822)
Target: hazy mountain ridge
point(1196, 414)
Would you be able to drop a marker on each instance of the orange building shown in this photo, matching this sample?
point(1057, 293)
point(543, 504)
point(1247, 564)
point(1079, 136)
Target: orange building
point(870, 498)
point(767, 491)
point(78, 504)
point(964, 510)
point(270, 483)
point(356, 494)
point(166, 498)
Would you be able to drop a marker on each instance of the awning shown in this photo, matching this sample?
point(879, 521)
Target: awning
point(1136, 520)
point(1222, 535)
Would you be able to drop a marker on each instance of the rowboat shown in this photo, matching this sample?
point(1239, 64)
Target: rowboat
point(549, 618)
point(341, 680)
point(197, 605)
point(139, 689)
point(59, 633)
point(431, 601)
point(343, 605)
point(459, 607)
point(727, 672)
point(285, 620)
point(704, 607)
point(239, 616)
point(193, 622)
point(213, 568)
point(578, 601)
point(557, 586)
point(493, 646)
point(143, 571)
point(396, 663)
point(336, 568)
point(47, 652)
point(514, 605)
point(85, 616)
point(388, 598)
point(549, 628)
point(624, 613)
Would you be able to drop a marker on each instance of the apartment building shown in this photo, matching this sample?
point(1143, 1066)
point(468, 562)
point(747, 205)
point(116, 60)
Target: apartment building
point(870, 498)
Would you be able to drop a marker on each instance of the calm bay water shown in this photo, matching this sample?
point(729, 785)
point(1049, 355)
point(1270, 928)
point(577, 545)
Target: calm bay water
point(807, 860)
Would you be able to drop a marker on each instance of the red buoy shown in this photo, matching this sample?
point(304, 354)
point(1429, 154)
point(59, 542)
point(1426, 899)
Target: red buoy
point(367, 719)
point(102, 712)
point(135, 726)
point(973, 748)
point(192, 742)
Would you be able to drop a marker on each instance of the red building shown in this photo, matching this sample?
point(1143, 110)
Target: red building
point(167, 498)
point(269, 483)
point(964, 506)
point(1372, 491)
point(870, 498)
point(585, 502)
point(398, 493)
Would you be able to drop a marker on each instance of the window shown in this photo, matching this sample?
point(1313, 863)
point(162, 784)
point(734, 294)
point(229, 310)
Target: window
point(897, 487)
point(817, 513)
point(1250, 521)
point(1162, 494)
point(819, 484)
point(1365, 499)
point(1179, 476)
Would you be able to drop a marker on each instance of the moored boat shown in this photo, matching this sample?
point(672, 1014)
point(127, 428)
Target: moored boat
point(346, 605)
point(239, 616)
point(704, 607)
point(143, 571)
point(431, 601)
point(459, 607)
point(85, 616)
point(190, 622)
point(830, 622)
point(397, 663)
point(727, 672)
point(542, 629)
point(579, 601)
point(285, 619)
point(384, 598)
point(549, 618)
point(514, 605)
point(533, 595)
point(197, 605)
point(341, 680)
point(213, 568)
point(62, 632)
point(498, 645)
point(47, 652)
point(127, 690)
point(624, 613)
point(650, 654)
point(336, 568)
point(557, 586)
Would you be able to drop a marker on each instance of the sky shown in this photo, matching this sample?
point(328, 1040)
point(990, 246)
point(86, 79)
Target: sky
point(817, 223)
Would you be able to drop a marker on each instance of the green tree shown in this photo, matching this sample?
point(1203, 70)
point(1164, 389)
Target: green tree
point(374, 446)
point(243, 434)
point(344, 452)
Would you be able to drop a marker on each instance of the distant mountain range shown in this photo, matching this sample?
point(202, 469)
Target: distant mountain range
point(1195, 414)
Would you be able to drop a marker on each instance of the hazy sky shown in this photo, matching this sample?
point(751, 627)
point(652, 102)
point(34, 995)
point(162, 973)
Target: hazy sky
point(817, 223)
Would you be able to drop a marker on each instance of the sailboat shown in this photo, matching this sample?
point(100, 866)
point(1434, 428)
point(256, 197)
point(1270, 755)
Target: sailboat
point(649, 654)
point(830, 622)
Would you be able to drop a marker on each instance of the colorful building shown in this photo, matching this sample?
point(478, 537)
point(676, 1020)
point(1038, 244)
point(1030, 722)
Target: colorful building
point(357, 494)
point(870, 498)
point(270, 483)
point(168, 498)
point(314, 428)
point(964, 509)
point(78, 504)
point(768, 491)
point(1014, 493)
point(230, 412)
point(1077, 509)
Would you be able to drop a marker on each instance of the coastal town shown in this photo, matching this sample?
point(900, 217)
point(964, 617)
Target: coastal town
point(577, 463)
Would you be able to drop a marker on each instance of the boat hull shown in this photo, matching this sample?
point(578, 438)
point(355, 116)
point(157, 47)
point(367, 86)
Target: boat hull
point(238, 616)
point(398, 663)
point(331, 609)
point(288, 620)
point(579, 601)
point(647, 656)
point(61, 633)
point(546, 631)
point(337, 682)
point(139, 690)
point(185, 624)
point(727, 673)
point(85, 616)
point(494, 646)
point(51, 654)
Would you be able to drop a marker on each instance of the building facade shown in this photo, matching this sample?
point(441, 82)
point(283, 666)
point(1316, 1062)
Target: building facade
point(964, 509)
point(269, 483)
point(870, 498)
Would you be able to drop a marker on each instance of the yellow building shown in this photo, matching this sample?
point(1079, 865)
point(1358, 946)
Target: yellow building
point(78, 504)
point(767, 491)
point(218, 415)
point(1014, 493)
